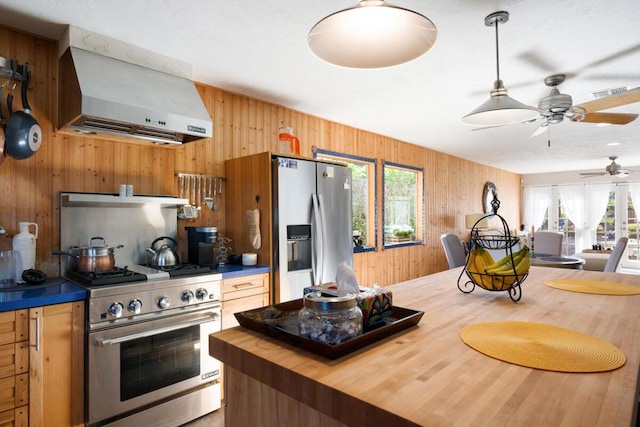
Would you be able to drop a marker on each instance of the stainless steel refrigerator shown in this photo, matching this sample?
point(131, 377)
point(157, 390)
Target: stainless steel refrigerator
point(312, 224)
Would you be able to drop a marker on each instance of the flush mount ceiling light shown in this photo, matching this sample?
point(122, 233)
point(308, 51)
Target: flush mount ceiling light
point(500, 109)
point(372, 34)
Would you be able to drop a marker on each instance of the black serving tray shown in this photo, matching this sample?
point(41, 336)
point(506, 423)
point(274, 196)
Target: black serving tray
point(280, 321)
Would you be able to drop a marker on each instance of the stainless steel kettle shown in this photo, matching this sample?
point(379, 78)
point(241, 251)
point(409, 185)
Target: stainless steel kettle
point(164, 255)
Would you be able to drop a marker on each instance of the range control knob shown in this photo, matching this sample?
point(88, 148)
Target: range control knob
point(201, 293)
point(164, 302)
point(187, 297)
point(135, 306)
point(116, 309)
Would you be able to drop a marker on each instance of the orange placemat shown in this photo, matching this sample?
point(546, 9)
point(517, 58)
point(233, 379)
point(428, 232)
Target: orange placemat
point(542, 346)
point(599, 287)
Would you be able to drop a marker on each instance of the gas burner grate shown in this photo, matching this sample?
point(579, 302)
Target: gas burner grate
point(183, 269)
point(111, 277)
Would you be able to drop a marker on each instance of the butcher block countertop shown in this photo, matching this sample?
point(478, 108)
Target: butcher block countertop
point(427, 376)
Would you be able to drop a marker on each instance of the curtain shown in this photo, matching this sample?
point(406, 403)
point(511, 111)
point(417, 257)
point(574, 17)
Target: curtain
point(596, 200)
point(537, 201)
point(634, 189)
point(572, 198)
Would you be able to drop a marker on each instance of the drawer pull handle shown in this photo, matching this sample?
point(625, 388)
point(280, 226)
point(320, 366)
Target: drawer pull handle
point(245, 285)
point(37, 332)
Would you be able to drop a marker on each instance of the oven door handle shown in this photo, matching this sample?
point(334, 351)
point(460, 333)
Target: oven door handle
point(104, 342)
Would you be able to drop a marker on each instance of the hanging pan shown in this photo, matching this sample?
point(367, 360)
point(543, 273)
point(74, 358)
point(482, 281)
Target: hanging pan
point(23, 135)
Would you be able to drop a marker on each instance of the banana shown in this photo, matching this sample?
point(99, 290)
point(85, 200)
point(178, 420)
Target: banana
point(500, 263)
point(481, 259)
point(509, 278)
point(522, 264)
point(472, 270)
point(488, 259)
point(505, 264)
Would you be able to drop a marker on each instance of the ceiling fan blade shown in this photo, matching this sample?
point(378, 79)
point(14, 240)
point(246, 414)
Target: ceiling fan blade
point(621, 77)
point(507, 124)
point(533, 58)
point(611, 118)
point(621, 54)
point(494, 126)
point(617, 100)
point(540, 130)
point(591, 174)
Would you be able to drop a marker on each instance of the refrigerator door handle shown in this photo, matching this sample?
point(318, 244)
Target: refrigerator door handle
point(323, 239)
point(317, 254)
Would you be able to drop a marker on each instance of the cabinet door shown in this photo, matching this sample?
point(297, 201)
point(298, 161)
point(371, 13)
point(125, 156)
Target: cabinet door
point(18, 417)
point(14, 392)
point(14, 359)
point(13, 326)
point(56, 365)
point(241, 304)
point(241, 294)
point(244, 286)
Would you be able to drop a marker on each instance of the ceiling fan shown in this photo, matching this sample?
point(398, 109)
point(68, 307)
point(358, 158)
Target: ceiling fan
point(613, 169)
point(556, 106)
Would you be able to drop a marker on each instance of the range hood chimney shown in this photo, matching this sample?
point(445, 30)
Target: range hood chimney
point(103, 95)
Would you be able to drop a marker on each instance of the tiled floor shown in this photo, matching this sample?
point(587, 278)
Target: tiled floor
point(214, 419)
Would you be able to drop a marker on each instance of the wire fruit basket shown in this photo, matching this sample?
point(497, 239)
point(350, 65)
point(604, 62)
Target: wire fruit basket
point(506, 275)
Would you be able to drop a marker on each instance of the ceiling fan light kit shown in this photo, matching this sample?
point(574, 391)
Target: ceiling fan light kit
point(372, 34)
point(500, 109)
point(613, 169)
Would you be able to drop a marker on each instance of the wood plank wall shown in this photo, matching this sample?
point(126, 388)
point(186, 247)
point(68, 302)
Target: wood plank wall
point(29, 188)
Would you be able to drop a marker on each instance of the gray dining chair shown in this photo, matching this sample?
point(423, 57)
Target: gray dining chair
point(616, 255)
point(453, 250)
point(547, 243)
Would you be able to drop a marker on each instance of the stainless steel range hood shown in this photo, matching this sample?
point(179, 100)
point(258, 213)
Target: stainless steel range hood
point(102, 95)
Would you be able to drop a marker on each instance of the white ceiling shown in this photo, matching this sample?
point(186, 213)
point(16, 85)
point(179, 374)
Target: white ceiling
point(258, 48)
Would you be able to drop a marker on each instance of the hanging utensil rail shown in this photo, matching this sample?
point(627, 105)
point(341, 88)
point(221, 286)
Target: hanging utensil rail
point(200, 186)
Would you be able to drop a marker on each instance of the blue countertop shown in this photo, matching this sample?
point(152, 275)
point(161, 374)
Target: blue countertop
point(54, 291)
point(230, 271)
point(57, 290)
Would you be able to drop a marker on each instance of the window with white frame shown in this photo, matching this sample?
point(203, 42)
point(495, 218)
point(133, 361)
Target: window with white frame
point(403, 204)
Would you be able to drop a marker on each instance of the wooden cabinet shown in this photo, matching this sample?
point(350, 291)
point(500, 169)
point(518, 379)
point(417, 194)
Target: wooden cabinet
point(248, 179)
point(42, 365)
point(14, 368)
point(56, 365)
point(243, 293)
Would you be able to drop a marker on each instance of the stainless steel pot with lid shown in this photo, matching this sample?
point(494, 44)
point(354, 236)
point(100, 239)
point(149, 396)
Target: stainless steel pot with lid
point(94, 257)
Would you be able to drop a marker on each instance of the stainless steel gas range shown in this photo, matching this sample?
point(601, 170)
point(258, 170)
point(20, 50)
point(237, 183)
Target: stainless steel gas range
point(147, 351)
point(147, 358)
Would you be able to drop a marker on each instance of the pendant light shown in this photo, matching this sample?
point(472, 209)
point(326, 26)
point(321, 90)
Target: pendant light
point(500, 109)
point(372, 34)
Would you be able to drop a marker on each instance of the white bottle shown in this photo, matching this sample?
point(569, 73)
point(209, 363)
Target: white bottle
point(24, 249)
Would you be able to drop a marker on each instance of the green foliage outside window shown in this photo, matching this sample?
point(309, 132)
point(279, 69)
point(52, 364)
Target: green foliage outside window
point(401, 203)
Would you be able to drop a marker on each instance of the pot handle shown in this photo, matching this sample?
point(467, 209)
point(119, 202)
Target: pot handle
point(91, 239)
point(25, 86)
point(64, 253)
point(175, 244)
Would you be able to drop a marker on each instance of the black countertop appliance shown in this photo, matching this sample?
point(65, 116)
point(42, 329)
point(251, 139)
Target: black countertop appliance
point(200, 241)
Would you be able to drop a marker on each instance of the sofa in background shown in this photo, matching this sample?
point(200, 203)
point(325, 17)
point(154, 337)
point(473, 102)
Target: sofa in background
point(594, 261)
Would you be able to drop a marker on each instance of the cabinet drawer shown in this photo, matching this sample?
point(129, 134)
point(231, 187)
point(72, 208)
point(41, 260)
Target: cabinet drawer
point(240, 287)
point(14, 326)
point(241, 304)
point(14, 392)
point(18, 417)
point(14, 359)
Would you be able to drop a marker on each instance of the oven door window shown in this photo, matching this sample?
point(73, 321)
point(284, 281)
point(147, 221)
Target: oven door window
point(151, 363)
